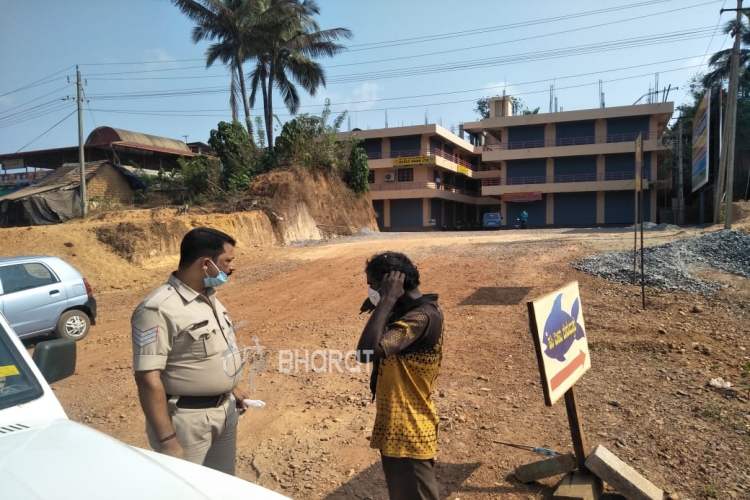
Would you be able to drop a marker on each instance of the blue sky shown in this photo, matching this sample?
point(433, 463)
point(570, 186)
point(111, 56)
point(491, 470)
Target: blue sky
point(130, 52)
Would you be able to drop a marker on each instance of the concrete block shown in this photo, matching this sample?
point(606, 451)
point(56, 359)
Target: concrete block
point(545, 468)
point(579, 486)
point(623, 478)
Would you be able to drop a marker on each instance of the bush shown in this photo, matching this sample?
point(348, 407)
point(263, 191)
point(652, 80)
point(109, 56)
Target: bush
point(237, 152)
point(357, 176)
point(310, 142)
point(199, 174)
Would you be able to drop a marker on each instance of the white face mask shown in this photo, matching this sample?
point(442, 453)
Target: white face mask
point(374, 296)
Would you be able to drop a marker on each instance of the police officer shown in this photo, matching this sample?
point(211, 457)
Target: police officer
point(186, 360)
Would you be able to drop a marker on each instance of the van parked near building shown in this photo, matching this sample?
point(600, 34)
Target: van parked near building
point(491, 220)
point(42, 294)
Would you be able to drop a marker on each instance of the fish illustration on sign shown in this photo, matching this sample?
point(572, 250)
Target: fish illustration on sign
point(561, 329)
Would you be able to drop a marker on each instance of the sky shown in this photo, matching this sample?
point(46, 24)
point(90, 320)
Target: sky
point(408, 61)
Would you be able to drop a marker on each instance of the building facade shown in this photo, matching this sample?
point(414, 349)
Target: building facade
point(565, 169)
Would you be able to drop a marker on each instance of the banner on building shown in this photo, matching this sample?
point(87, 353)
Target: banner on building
point(413, 160)
point(462, 170)
point(701, 126)
point(521, 197)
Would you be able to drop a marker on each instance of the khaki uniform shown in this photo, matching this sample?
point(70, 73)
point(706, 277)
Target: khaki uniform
point(190, 339)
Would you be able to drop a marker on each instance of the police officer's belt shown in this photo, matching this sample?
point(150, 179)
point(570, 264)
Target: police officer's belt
point(196, 402)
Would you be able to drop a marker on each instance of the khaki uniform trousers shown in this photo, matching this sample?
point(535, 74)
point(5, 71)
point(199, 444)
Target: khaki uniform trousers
point(208, 435)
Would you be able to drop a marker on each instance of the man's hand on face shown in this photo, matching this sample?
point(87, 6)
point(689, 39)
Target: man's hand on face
point(392, 286)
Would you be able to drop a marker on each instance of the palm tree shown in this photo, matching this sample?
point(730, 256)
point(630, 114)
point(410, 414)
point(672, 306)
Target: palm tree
point(286, 40)
point(227, 22)
point(721, 62)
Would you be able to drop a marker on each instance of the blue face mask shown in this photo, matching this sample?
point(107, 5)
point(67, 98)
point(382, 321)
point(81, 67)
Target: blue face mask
point(218, 280)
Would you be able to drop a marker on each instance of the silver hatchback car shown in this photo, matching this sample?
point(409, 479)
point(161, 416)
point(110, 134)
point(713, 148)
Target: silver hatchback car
point(42, 294)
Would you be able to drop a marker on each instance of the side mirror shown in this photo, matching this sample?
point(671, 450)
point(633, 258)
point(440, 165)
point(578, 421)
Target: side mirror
point(56, 359)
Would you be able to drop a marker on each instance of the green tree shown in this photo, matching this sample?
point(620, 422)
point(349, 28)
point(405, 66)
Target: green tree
point(237, 152)
point(310, 141)
point(358, 176)
point(721, 62)
point(199, 174)
point(286, 40)
point(228, 23)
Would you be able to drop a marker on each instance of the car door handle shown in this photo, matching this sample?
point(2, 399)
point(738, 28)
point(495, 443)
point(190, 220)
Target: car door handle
point(54, 292)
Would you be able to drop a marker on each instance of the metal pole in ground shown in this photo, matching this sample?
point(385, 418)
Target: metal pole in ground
point(732, 115)
point(81, 159)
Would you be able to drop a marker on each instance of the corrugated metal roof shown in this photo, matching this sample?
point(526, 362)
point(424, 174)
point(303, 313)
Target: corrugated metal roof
point(109, 135)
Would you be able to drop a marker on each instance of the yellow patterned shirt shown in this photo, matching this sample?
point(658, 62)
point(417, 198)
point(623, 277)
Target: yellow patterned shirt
point(406, 422)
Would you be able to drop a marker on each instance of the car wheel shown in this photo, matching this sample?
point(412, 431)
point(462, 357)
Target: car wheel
point(73, 324)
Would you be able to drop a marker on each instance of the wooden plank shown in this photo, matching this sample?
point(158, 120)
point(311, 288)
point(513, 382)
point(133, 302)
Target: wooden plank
point(576, 429)
point(554, 466)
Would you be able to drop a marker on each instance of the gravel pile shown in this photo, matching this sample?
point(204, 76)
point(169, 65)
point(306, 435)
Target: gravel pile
point(669, 266)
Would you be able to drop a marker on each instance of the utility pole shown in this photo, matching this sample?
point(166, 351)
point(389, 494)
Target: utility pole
point(185, 136)
point(732, 114)
point(680, 189)
point(81, 159)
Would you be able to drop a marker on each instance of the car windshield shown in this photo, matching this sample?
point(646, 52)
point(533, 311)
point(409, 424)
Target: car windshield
point(17, 382)
point(491, 216)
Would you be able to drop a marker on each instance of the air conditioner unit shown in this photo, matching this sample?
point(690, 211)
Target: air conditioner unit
point(390, 177)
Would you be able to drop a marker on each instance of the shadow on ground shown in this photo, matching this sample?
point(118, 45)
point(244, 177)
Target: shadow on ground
point(452, 479)
point(496, 296)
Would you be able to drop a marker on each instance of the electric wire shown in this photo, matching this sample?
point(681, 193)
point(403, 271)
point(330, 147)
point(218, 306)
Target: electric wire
point(37, 82)
point(479, 31)
point(436, 94)
point(192, 113)
point(46, 131)
point(718, 21)
point(94, 76)
point(586, 49)
point(50, 108)
point(33, 100)
point(544, 35)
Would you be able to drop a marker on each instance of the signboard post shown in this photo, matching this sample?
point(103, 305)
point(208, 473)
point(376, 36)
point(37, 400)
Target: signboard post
point(559, 333)
point(638, 187)
point(639, 199)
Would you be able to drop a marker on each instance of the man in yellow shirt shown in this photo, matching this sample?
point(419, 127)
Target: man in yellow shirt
point(404, 340)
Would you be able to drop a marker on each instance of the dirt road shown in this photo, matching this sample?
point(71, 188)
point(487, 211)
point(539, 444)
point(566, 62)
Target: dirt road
point(645, 398)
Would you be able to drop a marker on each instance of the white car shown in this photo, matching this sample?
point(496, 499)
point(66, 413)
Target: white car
point(45, 455)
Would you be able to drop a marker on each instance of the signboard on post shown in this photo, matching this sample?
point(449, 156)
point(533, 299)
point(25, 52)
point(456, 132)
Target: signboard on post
point(559, 333)
point(701, 126)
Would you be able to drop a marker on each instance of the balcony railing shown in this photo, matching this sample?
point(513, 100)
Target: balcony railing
point(421, 152)
point(555, 179)
point(400, 186)
point(571, 141)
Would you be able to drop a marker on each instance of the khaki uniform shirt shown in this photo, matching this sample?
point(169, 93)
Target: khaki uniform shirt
point(189, 338)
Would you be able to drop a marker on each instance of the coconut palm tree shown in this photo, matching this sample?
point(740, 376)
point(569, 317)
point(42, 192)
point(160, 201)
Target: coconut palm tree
point(721, 62)
point(286, 39)
point(226, 22)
